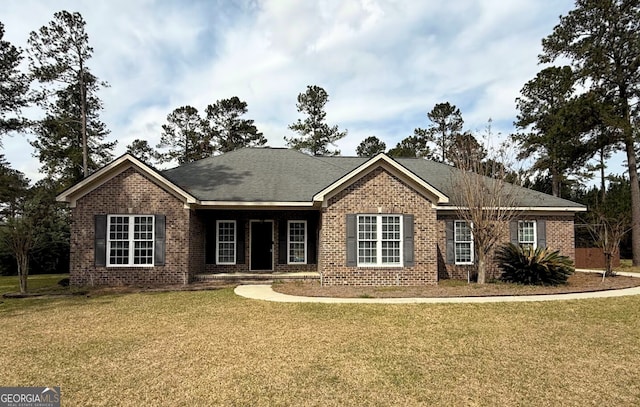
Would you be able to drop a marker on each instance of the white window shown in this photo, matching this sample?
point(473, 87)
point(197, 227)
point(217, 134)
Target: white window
point(297, 242)
point(130, 240)
point(226, 242)
point(527, 234)
point(379, 240)
point(463, 238)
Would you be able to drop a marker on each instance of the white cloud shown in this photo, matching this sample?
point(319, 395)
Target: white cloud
point(384, 63)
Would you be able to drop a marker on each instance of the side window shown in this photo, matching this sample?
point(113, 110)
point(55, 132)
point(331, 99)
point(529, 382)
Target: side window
point(297, 242)
point(463, 238)
point(527, 234)
point(226, 242)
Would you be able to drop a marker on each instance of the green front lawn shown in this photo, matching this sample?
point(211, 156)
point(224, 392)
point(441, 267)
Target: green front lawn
point(214, 348)
point(38, 283)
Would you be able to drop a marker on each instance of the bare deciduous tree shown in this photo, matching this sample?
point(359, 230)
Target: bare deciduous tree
point(607, 231)
point(486, 201)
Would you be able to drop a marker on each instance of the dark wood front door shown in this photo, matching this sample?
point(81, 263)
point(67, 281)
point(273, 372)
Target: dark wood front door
point(262, 245)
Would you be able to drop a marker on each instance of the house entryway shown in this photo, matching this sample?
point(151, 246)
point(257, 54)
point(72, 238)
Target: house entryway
point(261, 245)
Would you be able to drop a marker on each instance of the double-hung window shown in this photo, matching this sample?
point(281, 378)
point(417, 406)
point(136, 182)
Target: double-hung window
point(226, 242)
point(379, 240)
point(463, 237)
point(527, 234)
point(297, 242)
point(130, 240)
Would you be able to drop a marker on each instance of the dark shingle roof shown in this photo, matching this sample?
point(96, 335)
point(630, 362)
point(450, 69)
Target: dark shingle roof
point(283, 175)
point(257, 175)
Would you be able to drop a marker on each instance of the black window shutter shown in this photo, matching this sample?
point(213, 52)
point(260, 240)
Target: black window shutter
point(541, 233)
point(450, 244)
point(407, 229)
point(159, 243)
point(240, 242)
point(312, 241)
point(100, 250)
point(352, 249)
point(282, 241)
point(210, 243)
point(513, 232)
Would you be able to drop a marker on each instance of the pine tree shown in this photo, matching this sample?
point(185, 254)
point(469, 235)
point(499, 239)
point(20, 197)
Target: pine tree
point(546, 111)
point(186, 136)
point(13, 86)
point(229, 130)
point(143, 151)
point(59, 55)
point(370, 147)
point(315, 134)
point(601, 39)
point(59, 141)
point(446, 123)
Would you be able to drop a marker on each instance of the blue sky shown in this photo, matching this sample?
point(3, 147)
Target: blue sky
point(384, 63)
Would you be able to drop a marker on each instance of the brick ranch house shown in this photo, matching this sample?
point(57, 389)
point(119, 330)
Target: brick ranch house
point(359, 221)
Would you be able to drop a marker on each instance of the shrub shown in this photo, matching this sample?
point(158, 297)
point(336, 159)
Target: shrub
point(527, 266)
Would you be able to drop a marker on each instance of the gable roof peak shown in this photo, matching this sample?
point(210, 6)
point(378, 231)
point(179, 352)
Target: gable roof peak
point(116, 167)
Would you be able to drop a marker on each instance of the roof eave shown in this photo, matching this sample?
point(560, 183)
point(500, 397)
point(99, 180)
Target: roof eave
point(522, 208)
point(388, 163)
point(259, 205)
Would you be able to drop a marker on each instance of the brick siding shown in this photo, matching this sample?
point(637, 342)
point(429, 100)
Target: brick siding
point(377, 192)
point(186, 229)
point(131, 193)
point(560, 236)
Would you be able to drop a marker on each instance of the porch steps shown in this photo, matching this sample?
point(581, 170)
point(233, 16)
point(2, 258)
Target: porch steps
point(255, 278)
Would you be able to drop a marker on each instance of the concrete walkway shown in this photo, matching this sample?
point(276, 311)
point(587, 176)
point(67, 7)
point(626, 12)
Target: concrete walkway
point(265, 292)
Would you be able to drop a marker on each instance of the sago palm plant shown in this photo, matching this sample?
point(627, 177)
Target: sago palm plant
point(539, 266)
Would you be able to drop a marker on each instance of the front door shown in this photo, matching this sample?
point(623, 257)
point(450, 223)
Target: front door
point(261, 245)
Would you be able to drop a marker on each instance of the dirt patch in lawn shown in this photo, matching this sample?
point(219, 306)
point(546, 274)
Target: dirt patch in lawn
point(578, 282)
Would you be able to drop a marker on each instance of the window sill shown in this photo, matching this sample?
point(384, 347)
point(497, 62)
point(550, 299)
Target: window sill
point(130, 266)
point(380, 266)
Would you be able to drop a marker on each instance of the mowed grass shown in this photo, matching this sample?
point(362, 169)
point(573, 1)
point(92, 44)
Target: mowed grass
point(214, 348)
point(626, 265)
point(38, 283)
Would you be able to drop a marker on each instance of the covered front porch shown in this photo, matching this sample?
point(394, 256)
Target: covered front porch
point(244, 244)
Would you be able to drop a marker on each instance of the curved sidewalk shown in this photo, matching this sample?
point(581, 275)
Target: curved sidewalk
point(265, 292)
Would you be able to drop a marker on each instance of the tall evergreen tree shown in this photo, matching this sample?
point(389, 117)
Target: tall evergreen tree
point(229, 130)
point(370, 147)
point(59, 142)
point(13, 185)
point(59, 55)
point(546, 111)
point(446, 123)
point(412, 146)
point(315, 134)
point(142, 150)
point(186, 136)
point(13, 86)
point(601, 39)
